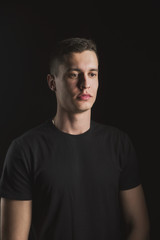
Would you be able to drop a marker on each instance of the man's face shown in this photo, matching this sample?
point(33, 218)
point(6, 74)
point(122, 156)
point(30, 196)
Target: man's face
point(77, 75)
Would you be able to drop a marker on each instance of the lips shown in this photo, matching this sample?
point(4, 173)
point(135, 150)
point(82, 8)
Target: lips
point(84, 96)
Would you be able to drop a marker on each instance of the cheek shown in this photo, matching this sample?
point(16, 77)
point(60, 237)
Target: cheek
point(95, 86)
point(61, 91)
point(71, 88)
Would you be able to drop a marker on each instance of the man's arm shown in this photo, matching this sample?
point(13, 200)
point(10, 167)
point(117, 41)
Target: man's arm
point(135, 213)
point(15, 219)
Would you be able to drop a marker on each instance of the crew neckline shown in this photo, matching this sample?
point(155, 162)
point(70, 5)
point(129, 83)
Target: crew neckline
point(68, 134)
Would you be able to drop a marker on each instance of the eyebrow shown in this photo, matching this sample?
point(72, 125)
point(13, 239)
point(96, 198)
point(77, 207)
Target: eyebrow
point(79, 70)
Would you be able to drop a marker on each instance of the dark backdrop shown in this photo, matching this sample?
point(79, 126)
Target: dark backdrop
point(128, 39)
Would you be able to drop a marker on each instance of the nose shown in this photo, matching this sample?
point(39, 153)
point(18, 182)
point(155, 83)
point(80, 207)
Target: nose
point(83, 81)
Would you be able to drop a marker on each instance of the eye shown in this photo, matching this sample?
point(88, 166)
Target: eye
point(92, 74)
point(73, 75)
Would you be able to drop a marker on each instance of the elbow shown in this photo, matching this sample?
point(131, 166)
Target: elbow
point(139, 231)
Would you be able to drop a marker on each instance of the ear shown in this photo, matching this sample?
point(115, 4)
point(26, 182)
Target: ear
point(51, 82)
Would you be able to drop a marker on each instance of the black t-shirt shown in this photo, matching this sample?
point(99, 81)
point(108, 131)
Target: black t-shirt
point(72, 180)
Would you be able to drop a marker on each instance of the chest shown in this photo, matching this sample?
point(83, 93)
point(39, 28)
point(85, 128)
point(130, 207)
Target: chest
point(76, 166)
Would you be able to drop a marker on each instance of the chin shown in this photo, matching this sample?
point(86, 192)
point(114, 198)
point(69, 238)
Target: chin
point(81, 110)
point(84, 108)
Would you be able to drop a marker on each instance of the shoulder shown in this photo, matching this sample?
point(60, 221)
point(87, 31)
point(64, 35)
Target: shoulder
point(108, 130)
point(117, 137)
point(34, 135)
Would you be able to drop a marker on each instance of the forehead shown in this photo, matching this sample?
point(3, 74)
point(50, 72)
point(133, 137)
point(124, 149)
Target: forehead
point(82, 60)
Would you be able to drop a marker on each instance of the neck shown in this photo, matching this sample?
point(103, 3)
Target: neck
point(75, 124)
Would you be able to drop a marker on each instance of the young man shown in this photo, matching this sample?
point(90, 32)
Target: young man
point(70, 177)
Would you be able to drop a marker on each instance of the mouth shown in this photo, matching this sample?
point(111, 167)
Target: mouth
point(84, 97)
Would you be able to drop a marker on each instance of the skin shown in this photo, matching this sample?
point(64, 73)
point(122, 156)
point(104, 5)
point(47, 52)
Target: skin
point(15, 219)
point(135, 213)
point(78, 74)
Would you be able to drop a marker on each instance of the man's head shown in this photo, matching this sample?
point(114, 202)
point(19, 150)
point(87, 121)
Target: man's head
point(74, 71)
point(66, 47)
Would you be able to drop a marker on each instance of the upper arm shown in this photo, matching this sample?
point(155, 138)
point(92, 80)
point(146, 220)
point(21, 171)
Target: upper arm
point(15, 219)
point(134, 208)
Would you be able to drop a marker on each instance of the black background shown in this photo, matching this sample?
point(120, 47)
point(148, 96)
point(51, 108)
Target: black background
point(127, 37)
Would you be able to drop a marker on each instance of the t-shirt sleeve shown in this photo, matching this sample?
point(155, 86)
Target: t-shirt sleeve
point(130, 168)
point(16, 181)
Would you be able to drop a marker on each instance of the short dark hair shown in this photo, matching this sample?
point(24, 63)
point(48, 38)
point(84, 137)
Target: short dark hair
point(67, 46)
